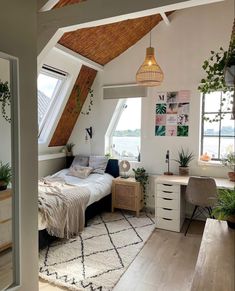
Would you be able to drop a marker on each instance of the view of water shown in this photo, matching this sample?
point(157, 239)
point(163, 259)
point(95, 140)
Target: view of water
point(127, 145)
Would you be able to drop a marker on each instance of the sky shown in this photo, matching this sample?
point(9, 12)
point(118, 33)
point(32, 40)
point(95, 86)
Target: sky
point(131, 116)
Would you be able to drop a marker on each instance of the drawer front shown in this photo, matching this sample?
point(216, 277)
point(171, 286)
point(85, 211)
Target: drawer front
point(168, 187)
point(168, 203)
point(5, 209)
point(168, 213)
point(168, 224)
point(167, 194)
point(124, 197)
point(5, 232)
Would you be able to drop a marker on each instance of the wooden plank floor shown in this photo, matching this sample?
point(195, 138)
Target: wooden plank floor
point(165, 263)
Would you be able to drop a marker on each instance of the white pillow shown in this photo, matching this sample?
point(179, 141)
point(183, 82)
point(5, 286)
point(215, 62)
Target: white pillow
point(98, 163)
point(81, 161)
point(79, 171)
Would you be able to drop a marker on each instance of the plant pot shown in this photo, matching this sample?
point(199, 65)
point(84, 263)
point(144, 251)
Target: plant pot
point(3, 186)
point(231, 221)
point(231, 176)
point(69, 154)
point(183, 171)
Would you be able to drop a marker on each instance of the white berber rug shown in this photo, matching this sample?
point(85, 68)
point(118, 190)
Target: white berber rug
point(96, 259)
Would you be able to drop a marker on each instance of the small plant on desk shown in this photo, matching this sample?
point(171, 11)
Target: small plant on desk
point(229, 161)
point(185, 157)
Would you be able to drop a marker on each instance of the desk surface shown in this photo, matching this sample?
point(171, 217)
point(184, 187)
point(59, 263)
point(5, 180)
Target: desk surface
point(183, 180)
point(215, 264)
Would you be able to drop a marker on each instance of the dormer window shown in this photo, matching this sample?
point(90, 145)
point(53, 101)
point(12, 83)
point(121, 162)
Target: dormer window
point(50, 82)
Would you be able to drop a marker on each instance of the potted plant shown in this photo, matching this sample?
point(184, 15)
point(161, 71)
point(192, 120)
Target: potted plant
point(5, 176)
point(229, 161)
point(215, 67)
point(69, 149)
point(5, 99)
point(225, 209)
point(142, 177)
point(185, 157)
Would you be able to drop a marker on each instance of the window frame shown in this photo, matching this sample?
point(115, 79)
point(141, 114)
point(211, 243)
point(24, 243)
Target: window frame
point(220, 121)
point(57, 97)
point(114, 122)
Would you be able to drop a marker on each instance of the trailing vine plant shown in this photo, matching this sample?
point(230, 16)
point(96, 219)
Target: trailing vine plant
point(214, 81)
point(142, 176)
point(79, 104)
point(5, 99)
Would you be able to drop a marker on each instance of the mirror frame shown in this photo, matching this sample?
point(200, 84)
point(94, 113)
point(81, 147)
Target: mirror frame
point(14, 88)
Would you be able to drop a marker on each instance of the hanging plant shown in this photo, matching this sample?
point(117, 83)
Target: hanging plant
point(214, 80)
point(5, 99)
point(79, 103)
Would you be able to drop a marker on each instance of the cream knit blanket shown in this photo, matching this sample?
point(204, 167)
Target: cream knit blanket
point(62, 206)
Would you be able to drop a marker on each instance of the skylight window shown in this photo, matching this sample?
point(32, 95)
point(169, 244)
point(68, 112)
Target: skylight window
point(49, 83)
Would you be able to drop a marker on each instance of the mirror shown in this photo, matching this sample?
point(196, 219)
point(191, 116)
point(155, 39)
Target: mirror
point(9, 216)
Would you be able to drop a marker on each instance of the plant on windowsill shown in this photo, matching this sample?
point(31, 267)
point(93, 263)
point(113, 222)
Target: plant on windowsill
point(5, 175)
point(5, 99)
point(142, 177)
point(225, 208)
point(229, 161)
point(69, 149)
point(185, 157)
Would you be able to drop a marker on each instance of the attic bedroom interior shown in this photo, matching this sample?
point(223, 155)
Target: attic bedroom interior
point(117, 145)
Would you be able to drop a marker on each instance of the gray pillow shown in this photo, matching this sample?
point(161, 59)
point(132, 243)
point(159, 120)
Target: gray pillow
point(81, 161)
point(98, 163)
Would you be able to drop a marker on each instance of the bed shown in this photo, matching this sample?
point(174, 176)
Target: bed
point(99, 200)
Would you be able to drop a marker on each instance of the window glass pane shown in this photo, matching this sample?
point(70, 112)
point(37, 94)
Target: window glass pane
point(47, 87)
point(126, 137)
point(227, 145)
point(211, 128)
point(212, 102)
point(227, 125)
point(211, 146)
point(226, 98)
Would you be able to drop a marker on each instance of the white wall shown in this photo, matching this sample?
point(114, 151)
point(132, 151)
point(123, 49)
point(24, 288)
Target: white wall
point(5, 127)
point(181, 49)
point(51, 166)
point(18, 38)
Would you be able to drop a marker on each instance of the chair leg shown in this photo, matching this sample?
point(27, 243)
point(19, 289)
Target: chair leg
point(191, 218)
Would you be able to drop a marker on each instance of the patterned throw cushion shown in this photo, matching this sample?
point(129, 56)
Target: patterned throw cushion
point(79, 171)
point(98, 163)
point(81, 161)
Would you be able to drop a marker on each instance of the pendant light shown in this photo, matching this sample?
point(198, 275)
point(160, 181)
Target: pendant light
point(149, 74)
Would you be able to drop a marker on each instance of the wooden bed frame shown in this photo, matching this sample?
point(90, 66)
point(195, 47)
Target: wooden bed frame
point(103, 204)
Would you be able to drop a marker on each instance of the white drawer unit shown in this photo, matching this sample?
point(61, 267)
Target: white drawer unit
point(5, 219)
point(169, 206)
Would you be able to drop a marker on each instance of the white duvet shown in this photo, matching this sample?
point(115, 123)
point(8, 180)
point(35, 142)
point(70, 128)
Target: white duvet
point(99, 186)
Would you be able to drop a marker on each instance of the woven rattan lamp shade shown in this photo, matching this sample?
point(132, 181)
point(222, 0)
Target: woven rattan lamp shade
point(149, 74)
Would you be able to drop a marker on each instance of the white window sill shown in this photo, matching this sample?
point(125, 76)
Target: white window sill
point(51, 156)
point(210, 163)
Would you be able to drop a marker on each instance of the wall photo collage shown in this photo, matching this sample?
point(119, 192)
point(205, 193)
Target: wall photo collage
point(172, 113)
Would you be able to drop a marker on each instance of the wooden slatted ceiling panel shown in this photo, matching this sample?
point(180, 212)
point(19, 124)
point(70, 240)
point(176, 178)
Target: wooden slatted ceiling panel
point(62, 3)
point(102, 44)
point(71, 112)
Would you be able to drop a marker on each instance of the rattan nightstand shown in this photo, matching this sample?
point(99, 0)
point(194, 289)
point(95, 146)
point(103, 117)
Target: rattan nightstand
point(127, 194)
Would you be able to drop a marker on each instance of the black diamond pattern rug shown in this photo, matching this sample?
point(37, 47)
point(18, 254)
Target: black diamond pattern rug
point(96, 259)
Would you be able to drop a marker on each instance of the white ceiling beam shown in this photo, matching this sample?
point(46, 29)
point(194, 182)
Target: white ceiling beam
point(99, 12)
point(47, 4)
point(85, 61)
point(165, 18)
